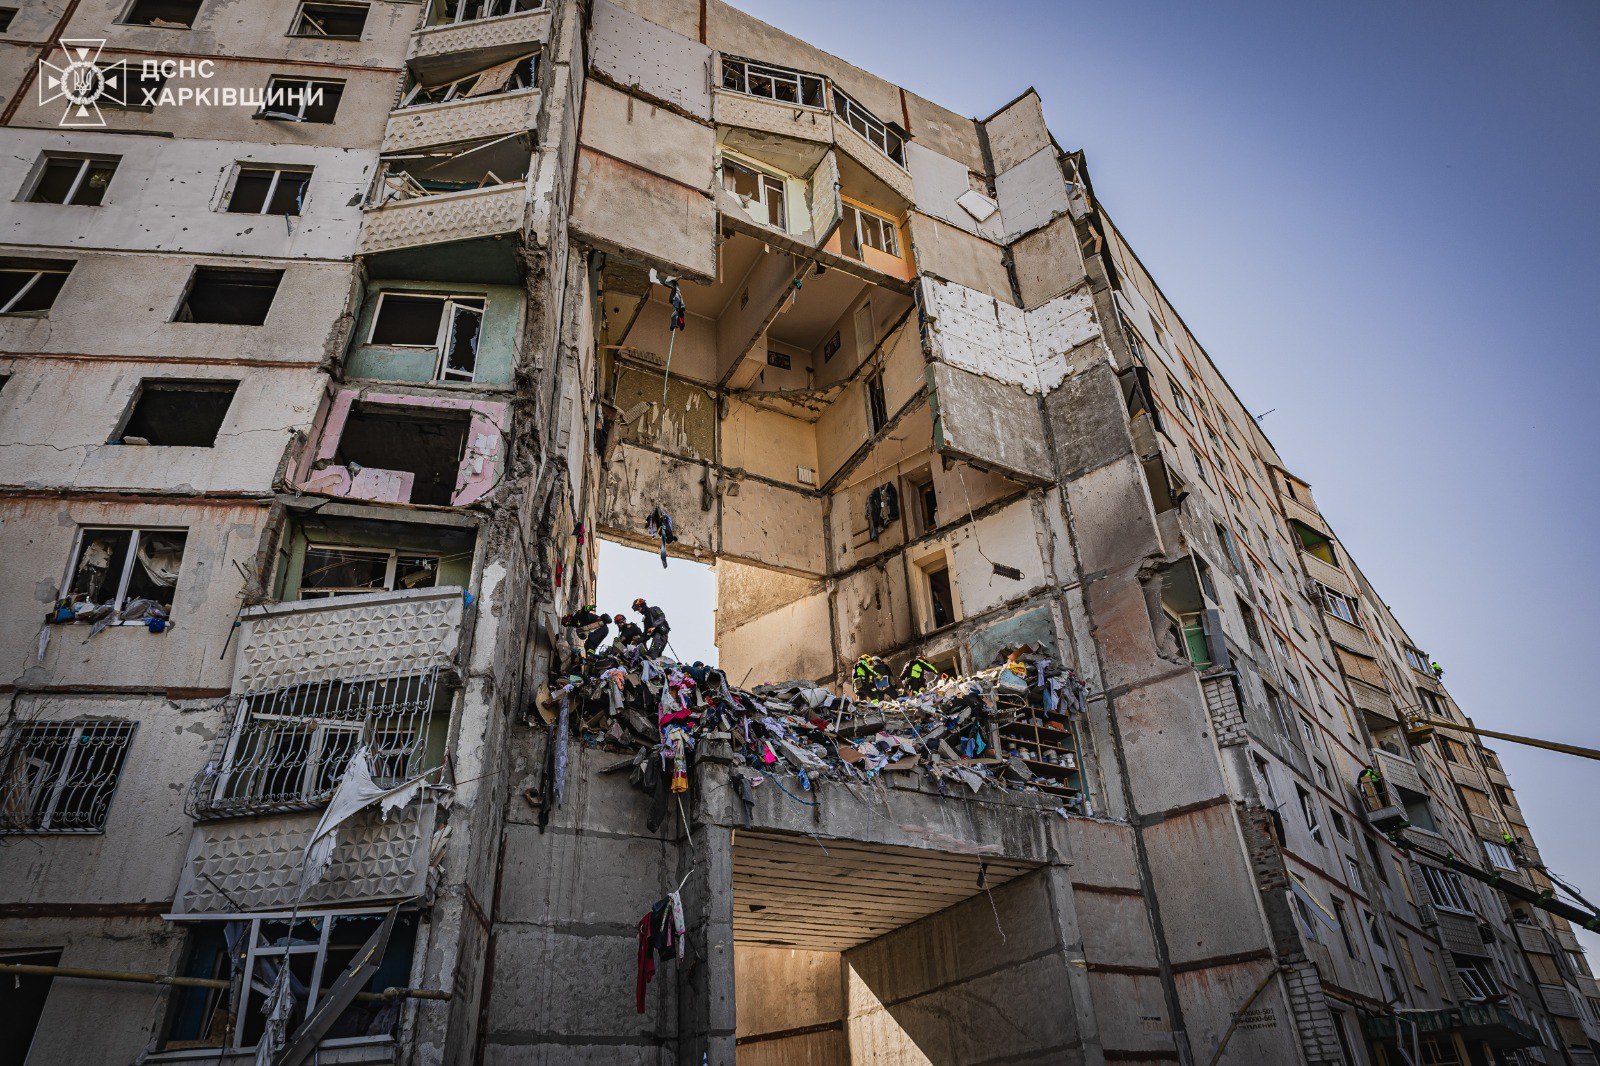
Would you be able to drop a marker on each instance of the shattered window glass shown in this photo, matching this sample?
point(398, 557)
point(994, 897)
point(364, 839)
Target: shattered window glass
point(129, 573)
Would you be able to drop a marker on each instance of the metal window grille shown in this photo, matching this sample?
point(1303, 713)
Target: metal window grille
point(287, 747)
point(60, 776)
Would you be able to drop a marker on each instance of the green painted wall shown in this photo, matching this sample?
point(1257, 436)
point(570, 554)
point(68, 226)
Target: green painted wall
point(501, 318)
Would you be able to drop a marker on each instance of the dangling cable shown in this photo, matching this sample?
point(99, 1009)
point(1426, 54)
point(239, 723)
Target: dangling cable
point(659, 522)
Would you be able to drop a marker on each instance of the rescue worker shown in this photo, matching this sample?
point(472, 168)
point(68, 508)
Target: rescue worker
point(1438, 671)
point(628, 634)
point(872, 681)
point(592, 627)
point(656, 628)
point(918, 674)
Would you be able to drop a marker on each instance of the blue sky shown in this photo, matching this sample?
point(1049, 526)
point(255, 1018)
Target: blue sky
point(1381, 220)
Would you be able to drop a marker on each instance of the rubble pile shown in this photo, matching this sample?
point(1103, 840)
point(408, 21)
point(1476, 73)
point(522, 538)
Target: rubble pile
point(795, 734)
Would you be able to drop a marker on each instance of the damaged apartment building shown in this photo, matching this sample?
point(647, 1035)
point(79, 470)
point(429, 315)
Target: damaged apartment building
point(311, 413)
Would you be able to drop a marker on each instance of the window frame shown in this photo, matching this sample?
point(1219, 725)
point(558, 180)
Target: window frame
point(449, 304)
point(325, 918)
point(127, 14)
point(767, 182)
point(28, 286)
point(1484, 983)
point(523, 7)
point(275, 80)
point(86, 162)
point(1308, 812)
point(774, 74)
point(1446, 885)
point(128, 561)
point(300, 15)
point(454, 93)
point(1493, 849)
point(122, 731)
point(888, 226)
point(871, 129)
point(278, 171)
point(391, 570)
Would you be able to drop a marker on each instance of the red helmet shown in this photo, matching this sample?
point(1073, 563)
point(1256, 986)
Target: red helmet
point(638, 603)
point(620, 619)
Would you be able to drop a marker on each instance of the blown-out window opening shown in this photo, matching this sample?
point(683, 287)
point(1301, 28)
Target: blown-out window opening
point(874, 129)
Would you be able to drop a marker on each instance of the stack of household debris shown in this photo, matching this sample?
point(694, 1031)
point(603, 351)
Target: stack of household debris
point(795, 734)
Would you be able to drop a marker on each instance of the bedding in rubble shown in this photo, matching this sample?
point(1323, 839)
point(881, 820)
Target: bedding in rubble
point(657, 713)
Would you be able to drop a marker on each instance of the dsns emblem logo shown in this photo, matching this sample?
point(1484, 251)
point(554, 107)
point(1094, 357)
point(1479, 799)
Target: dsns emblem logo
point(83, 83)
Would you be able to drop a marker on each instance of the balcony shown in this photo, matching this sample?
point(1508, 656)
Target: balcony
point(316, 679)
point(472, 118)
point(308, 641)
point(445, 218)
point(1293, 508)
point(872, 159)
point(1326, 573)
point(512, 32)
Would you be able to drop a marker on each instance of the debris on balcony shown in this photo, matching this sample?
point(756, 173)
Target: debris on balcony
point(482, 164)
point(1009, 727)
point(509, 76)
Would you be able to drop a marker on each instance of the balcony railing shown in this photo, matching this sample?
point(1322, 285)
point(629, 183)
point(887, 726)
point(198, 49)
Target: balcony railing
point(317, 679)
point(512, 26)
point(443, 218)
point(469, 118)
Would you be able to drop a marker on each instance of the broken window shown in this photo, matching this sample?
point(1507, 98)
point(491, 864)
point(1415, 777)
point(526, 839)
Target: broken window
point(1251, 627)
point(318, 950)
point(877, 404)
point(941, 594)
point(451, 11)
point(229, 297)
point(30, 286)
point(61, 775)
point(758, 191)
point(75, 180)
point(168, 14)
point(117, 568)
point(885, 137)
point(287, 747)
point(23, 995)
point(863, 229)
point(6, 15)
point(481, 164)
point(924, 500)
point(269, 190)
point(184, 414)
point(773, 83)
point(1313, 543)
point(1477, 975)
point(1308, 811)
point(1499, 855)
point(427, 443)
point(340, 571)
point(450, 324)
point(301, 99)
point(340, 22)
point(1207, 585)
point(129, 86)
point(510, 76)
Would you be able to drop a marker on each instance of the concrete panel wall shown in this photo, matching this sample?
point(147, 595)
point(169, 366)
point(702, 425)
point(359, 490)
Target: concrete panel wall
point(767, 443)
point(776, 526)
point(938, 180)
point(1017, 131)
point(621, 207)
point(648, 136)
point(37, 537)
point(43, 448)
point(651, 58)
point(1032, 193)
point(1048, 262)
point(138, 857)
point(150, 288)
point(948, 989)
point(952, 254)
point(789, 641)
point(173, 194)
point(989, 422)
point(1030, 349)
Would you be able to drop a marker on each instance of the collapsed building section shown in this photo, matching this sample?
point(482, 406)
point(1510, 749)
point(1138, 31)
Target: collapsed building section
point(1052, 722)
